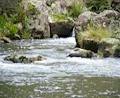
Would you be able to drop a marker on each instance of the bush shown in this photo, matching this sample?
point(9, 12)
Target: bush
point(9, 21)
point(7, 28)
point(98, 5)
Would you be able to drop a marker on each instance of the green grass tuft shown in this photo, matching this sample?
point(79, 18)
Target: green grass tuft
point(76, 9)
point(96, 33)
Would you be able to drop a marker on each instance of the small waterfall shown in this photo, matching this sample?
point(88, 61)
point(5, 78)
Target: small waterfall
point(73, 32)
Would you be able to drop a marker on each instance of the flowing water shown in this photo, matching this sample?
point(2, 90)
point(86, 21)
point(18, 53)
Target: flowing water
point(58, 76)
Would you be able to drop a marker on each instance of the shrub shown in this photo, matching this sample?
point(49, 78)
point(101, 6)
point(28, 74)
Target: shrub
point(9, 21)
point(7, 28)
point(98, 5)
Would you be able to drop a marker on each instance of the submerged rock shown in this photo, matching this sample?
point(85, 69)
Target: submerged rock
point(6, 40)
point(23, 59)
point(78, 52)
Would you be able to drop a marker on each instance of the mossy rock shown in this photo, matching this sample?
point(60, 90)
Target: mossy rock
point(23, 59)
point(116, 52)
point(83, 53)
point(109, 47)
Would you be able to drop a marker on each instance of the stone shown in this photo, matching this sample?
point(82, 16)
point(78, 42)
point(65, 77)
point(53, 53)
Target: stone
point(83, 20)
point(62, 29)
point(103, 19)
point(116, 52)
point(23, 59)
point(109, 13)
point(6, 40)
point(109, 47)
point(90, 44)
point(39, 26)
point(78, 52)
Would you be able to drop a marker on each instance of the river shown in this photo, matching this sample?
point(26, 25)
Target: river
point(58, 76)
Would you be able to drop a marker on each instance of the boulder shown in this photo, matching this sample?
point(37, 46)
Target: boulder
point(103, 19)
point(116, 52)
point(83, 20)
point(23, 59)
point(109, 47)
point(42, 26)
point(106, 17)
point(109, 14)
point(39, 26)
point(90, 44)
point(81, 24)
point(62, 29)
point(78, 52)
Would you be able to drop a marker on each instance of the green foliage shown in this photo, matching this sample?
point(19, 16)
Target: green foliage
point(7, 28)
point(26, 35)
point(9, 21)
point(10, 30)
point(96, 33)
point(98, 5)
point(76, 9)
point(61, 17)
point(31, 9)
point(73, 12)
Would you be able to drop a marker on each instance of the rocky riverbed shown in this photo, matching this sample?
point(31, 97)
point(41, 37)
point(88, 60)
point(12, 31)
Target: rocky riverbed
point(58, 76)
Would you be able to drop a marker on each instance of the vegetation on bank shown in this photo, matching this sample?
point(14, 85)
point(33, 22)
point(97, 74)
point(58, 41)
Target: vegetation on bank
point(15, 24)
point(72, 12)
point(98, 5)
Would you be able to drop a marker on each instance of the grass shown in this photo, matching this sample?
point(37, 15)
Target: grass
point(73, 12)
point(76, 9)
point(96, 33)
point(60, 17)
point(26, 35)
